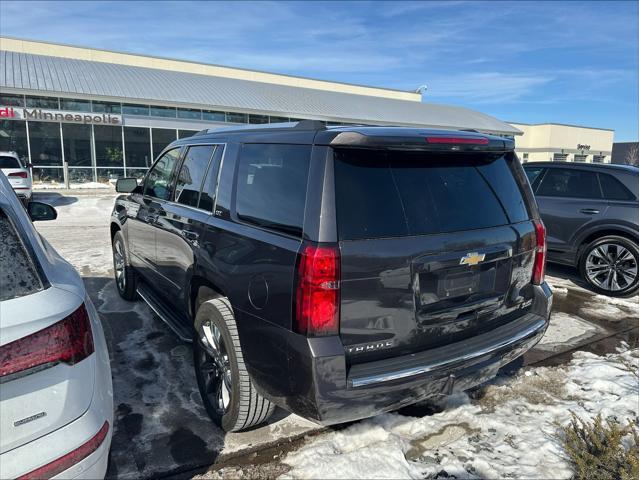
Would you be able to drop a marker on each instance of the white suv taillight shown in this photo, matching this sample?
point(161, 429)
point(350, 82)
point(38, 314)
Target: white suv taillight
point(318, 290)
point(539, 267)
point(68, 341)
point(18, 174)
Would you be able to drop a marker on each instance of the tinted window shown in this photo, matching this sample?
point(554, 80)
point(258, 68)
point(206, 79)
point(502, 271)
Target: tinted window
point(9, 162)
point(189, 113)
point(533, 173)
point(207, 197)
point(158, 181)
point(77, 144)
point(391, 194)
point(75, 104)
point(108, 146)
point(613, 189)
point(18, 276)
point(44, 139)
point(131, 109)
point(189, 180)
point(500, 176)
point(559, 182)
point(106, 107)
point(43, 102)
point(271, 186)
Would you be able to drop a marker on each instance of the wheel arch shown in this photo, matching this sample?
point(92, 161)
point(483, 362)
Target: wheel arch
point(201, 290)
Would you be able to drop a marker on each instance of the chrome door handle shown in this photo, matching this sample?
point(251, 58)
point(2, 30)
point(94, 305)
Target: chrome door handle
point(589, 211)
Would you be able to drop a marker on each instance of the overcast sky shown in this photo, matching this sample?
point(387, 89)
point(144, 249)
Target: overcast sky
point(565, 62)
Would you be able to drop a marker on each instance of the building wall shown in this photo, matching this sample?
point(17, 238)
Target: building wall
point(545, 142)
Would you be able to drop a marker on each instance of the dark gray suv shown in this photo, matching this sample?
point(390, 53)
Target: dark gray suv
point(591, 214)
point(336, 272)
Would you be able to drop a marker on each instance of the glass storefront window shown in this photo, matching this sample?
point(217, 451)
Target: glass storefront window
point(106, 107)
point(137, 146)
point(278, 119)
point(43, 102)
point(48, 175)
point(75, 105)
point(131, 109)
point(136, 172)
point(77, 144)
point(107, 174)
point(80, 175)
point(161, 138)
point(13, 138)
point(213, 116)
point(44, 140)
point(9, 100)
point(108, 146)
point(236, 117)
point(168, 112)
point(258, 118)
point(189, 113)
point(186, 133)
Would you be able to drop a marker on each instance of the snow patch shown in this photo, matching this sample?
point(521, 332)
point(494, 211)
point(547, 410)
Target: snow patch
point(510, 431)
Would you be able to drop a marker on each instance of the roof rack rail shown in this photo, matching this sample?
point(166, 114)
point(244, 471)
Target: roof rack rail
point(299, 125)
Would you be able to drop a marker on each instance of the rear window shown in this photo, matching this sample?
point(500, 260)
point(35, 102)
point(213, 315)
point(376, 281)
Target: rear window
point(9, 162)
point(392, 194)
point(17, 273)
point(613, 189)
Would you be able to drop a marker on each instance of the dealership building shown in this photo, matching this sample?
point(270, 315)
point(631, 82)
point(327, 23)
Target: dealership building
point(85, 115)
point(563, 143)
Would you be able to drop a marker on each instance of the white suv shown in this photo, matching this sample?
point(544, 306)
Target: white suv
point(56, 396)
point(17, 173)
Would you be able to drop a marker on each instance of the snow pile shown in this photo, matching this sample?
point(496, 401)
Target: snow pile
point(509, 431)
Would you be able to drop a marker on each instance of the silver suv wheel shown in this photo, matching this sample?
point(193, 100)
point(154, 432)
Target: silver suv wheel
point(611, 267)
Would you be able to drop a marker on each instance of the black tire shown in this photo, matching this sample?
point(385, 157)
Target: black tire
point(246, 408)
point(125, 279)
point(604, 250)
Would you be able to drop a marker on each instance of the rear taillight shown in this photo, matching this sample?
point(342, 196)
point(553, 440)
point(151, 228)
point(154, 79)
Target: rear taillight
point(18, 174)
point(67, 341)
point(458, 140)
point(539, 267)
point(64, 463)
point(317, 297)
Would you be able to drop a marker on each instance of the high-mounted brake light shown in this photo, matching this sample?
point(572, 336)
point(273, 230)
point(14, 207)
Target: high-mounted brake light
point(318, 291)
point(539, 267)
point(67, 461)
point(67, 341)
point(18, 174)
point(458, 140)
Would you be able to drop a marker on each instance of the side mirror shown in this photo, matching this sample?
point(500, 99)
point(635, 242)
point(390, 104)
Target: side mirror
point(126, 185)
point(39, 211)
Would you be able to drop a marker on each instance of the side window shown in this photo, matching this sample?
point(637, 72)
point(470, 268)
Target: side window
point(207, 197)
point(192, 172)
point(271, 186)
point(158, 180)
point(533, 174)
point(613, 189)
point(559, 182)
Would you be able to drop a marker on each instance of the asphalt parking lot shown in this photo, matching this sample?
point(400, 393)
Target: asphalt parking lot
point(161, 427)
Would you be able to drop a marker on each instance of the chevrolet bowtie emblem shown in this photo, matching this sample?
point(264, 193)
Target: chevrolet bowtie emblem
point(472, 258)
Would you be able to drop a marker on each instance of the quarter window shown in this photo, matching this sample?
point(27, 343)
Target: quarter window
point(613, 189)
point(189, 180)
point(271, 186)
point(158, 181)
point(533, 174)
point(559, 182)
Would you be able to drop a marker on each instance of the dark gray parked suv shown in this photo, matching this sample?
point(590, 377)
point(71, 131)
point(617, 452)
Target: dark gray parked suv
point(336, 272)
point(591, 213)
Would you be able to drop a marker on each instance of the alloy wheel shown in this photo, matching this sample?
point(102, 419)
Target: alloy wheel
point(215, 366)
point(611, 267)
point(119, 266)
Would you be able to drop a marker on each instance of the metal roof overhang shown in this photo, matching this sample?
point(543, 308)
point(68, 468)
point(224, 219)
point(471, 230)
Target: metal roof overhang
point(40, 74)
